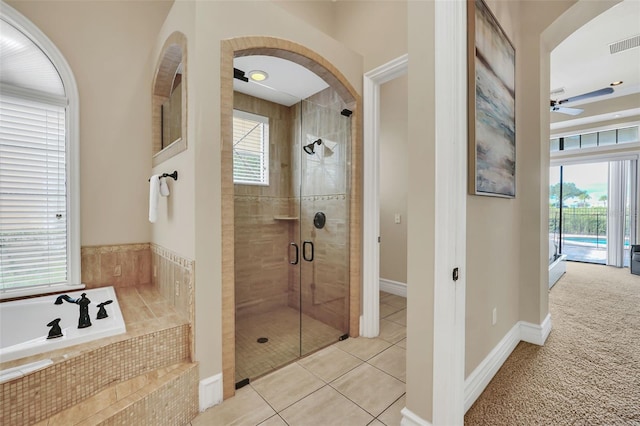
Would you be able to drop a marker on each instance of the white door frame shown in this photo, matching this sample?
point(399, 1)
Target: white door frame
point(370, 321)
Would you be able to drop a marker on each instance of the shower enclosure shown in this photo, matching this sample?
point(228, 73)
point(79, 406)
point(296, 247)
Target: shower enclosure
point(291, 230)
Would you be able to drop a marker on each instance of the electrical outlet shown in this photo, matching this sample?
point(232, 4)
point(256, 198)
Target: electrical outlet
point(494, 320)
point(397, 218)
point(177, 288)
point(117, 270)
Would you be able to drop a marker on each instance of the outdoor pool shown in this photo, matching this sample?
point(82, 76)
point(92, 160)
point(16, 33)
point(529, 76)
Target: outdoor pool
point(590, 240)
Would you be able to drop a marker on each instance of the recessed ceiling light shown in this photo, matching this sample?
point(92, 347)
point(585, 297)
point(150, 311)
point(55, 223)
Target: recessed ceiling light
point(258, 75)
point(616, 83)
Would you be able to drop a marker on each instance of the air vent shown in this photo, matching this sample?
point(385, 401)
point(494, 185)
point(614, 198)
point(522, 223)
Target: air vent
point(626, 44)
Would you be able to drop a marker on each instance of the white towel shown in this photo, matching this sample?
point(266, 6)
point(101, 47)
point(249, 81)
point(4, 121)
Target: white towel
point(154, 192)
point(164, 188)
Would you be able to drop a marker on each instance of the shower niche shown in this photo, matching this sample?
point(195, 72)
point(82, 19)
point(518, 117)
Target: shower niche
point(291, 157)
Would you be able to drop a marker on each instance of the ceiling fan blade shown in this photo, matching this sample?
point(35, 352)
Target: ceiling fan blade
point(601, 92)
point(565, 110)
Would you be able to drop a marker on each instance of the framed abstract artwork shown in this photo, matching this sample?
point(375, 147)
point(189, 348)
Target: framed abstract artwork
point(492, 101)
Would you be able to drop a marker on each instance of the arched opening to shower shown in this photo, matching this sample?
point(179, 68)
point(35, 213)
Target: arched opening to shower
point(291, 190)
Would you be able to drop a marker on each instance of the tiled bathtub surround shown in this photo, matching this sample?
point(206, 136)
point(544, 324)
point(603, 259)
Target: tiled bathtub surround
point(157, 337)
point(123, 265)
point(173, 277)
point(43, 393)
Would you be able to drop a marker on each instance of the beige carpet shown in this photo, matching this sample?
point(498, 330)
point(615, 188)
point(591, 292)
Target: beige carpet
point(588, 372)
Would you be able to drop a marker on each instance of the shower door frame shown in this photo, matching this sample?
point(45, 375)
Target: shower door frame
point(271, 46)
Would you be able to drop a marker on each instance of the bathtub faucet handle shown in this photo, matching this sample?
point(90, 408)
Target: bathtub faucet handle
point(102, 312)
point(55, 329)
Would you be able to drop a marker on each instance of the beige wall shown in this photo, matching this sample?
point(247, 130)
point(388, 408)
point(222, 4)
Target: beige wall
point(358, 25)
point(506, 245)
point(393, 179)
point(493, 240)
point(421, 193)
point(319, 13)
point(375, 29)
point(107, 45)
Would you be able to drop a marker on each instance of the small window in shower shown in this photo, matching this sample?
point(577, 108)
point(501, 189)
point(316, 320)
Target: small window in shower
point(250, 148)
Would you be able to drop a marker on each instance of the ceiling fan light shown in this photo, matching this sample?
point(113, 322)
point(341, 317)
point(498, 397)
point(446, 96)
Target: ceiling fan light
point(616, 83)
point(258, 75)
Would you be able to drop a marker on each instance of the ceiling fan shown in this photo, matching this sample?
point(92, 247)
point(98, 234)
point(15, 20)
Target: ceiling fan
point(557, 106)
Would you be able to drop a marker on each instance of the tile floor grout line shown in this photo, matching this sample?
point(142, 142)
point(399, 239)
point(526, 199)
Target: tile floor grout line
point(394, 401)
point(355, 403)
point(260, 395)
point(325, 382)
point(296, 401)
point(397, 399)
point(390, 375)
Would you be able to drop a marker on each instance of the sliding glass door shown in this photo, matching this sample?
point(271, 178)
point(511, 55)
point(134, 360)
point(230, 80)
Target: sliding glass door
point(592, 210)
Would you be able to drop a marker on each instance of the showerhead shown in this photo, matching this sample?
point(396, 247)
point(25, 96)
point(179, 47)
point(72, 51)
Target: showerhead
point(310, 149)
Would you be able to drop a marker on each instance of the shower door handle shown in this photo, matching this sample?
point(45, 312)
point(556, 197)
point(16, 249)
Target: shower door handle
point(295, 261)
point(304, 251)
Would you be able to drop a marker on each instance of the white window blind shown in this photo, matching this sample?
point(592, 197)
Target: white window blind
point(250, 148)
point(33, 194)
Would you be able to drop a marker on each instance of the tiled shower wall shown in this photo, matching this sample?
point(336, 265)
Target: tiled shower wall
point(325, 281)
point(262, 218)
point(261, 250)
point(268, 219)
point(325, 188)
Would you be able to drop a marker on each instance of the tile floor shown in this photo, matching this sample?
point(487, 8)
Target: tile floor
point(282, 327)
point(339, 385)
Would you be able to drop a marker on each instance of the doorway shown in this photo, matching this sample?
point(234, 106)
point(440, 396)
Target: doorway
point(291, 211)
point(592, 210)
point(273, 47)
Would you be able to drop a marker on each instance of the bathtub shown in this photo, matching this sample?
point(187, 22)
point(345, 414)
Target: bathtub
point(23, 323)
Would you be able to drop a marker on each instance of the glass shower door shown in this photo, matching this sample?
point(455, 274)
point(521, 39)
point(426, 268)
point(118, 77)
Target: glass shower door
point(324, 225)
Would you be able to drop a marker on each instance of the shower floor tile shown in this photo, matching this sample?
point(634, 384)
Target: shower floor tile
point(282, 327)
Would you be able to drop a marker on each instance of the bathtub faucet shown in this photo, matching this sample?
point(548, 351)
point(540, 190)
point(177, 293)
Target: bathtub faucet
point(64, 297)
point(83, 321)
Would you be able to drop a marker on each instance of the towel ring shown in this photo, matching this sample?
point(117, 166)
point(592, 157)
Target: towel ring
point(173, 175)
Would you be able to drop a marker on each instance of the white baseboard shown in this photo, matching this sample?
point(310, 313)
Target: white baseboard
point(478, 380)
point(482, 375)
point(210, 391)
point(557, 269)
point(409, 418)
point(534, 333)
point(393, 287)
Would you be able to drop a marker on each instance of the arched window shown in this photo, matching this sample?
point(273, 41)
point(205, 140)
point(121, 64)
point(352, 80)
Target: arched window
point(39, 162)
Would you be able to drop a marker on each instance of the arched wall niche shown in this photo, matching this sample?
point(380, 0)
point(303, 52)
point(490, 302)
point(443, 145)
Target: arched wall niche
point(169, 93)
point(285, 49)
